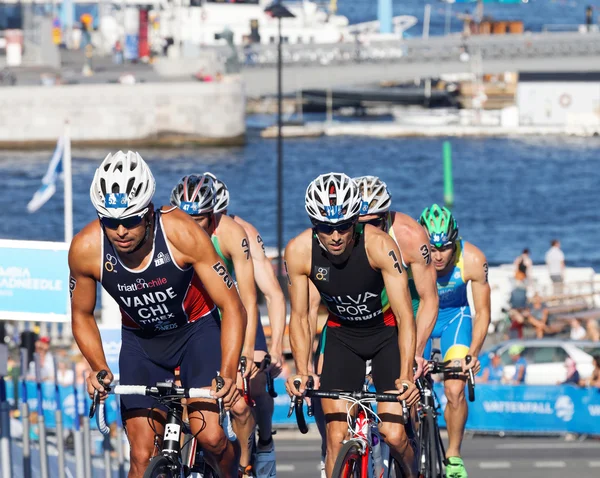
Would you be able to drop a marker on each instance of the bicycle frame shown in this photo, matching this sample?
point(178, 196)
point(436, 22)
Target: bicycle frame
point(166, 392)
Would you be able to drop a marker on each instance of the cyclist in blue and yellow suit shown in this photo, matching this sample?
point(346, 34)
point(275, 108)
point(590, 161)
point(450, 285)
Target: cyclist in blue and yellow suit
point(461, 330)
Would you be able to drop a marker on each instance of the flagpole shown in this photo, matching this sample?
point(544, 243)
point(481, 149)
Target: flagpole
point(68, 184)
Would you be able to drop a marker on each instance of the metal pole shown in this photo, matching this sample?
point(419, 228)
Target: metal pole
point(6, 466)
point(279, 160)
point(79, 459)
point(120, 454)
point(60, 439)
point(106, 447)
point(68, 183)
point(300, 106)
point(426, 17)
point(25, 415)
point(87, 442)
point(448, 13)
point(41, 420)
point(329, 106)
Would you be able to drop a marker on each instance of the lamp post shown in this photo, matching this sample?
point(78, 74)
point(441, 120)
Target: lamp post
point(279, 11)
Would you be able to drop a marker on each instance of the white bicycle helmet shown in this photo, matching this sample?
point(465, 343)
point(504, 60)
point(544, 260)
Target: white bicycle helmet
point(194, 194)
point(123, 186)
point(221, 192)
point(375, 197)
point(332, 198)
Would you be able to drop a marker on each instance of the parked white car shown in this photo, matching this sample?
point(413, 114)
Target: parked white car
point(546, 359)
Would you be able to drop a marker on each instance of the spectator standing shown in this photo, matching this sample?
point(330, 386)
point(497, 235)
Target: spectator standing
point(555, 261)
point(42, 348)
point(523, 263)
point(518, 303)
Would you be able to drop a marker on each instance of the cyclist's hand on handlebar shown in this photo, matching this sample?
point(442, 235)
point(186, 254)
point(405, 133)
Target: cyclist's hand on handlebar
point(422, 366)
point(93, 384)
point(411, 395)
point(290, 386)
point(229, 392)
point(473, 364)
point(276, 363)
point(251, 369)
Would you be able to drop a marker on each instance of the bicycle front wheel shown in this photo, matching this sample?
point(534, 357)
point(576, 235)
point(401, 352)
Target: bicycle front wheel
point(160, 467)
point(348, 463)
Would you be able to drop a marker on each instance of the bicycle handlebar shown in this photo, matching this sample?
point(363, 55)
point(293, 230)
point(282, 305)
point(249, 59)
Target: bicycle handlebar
point(297, 403)
point(270, 385)
point(163, 391)
point(442, 367)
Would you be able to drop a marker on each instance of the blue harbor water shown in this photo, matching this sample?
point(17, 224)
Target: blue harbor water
point(510, 193)
point(536, 14)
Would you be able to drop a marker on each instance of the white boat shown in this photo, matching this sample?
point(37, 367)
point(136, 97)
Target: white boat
point(200, 22)
point(311, 24)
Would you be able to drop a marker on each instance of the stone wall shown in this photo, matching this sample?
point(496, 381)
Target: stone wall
point(150, 114)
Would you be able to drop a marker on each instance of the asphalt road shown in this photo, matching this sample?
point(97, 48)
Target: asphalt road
point(485, 456)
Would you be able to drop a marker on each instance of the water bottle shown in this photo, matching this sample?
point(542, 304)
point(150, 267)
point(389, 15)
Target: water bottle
point(376, 452)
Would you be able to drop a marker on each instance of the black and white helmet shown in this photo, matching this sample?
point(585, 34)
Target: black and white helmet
point(194, 194)
point(221, 192)
point(332, 198)
point(375, 197)
point(123, 186)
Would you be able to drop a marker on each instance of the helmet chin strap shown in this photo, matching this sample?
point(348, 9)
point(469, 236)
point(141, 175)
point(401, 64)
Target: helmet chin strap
point(144, 239)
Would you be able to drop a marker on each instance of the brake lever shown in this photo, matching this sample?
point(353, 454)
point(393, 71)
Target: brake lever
point(270, 385)
point(293, 399)
point(310, 383)
point(220, 385)
point(245, 381)
point(405, 412)
point(100, 376)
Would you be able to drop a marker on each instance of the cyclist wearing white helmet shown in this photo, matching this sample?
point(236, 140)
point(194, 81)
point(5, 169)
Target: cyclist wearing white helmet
point(167, 278)
point(352, 268)
point(266, 280)
point(195, 194)
point(415, 255)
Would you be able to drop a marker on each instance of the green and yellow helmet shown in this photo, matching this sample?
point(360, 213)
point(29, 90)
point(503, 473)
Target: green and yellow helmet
point(440, 225)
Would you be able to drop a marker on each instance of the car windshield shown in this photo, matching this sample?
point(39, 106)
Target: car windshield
point(591, 349)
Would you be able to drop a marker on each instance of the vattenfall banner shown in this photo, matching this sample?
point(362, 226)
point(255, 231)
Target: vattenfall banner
point(532, 409)
point(34, 281)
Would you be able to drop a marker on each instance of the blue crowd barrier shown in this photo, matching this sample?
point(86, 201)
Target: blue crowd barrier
point(531, 409)
point(66, 403)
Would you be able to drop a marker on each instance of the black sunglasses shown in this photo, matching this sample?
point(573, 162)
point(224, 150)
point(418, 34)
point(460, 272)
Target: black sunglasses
point(377, 222)
point(324, 228)
point(127, 223)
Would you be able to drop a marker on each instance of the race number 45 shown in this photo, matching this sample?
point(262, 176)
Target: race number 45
point(222, 271)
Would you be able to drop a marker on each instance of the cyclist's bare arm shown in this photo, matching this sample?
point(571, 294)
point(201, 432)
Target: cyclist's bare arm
point(84, 265)
point(193, 246)
point(414, 244)
point(476, 271)
point(383, 254)
point(298, 260)
point(314, 301)
point(236, 245)
point(267, 282)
